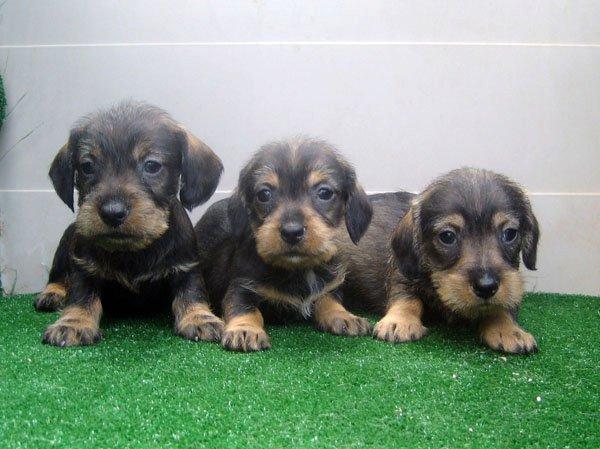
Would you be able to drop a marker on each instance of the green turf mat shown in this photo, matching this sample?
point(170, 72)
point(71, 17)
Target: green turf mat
point(142, 387)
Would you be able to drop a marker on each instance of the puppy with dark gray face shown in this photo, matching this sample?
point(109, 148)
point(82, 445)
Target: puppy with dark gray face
point(273, 245)
point(454, 255)
point(132, 244)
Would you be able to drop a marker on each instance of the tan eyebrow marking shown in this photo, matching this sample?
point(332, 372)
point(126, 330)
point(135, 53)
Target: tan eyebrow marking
point(452, 220)
point(140, 151)
point(500, 219)
point(267, 175)
point(93, 151)
point(317, 177)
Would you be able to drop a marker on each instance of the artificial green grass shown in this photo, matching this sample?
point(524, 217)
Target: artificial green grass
point(142, 387)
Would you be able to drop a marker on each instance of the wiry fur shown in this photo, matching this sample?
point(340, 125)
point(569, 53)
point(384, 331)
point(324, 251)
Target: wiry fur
point(251, 269)
point(401, 261)
point(148, 259)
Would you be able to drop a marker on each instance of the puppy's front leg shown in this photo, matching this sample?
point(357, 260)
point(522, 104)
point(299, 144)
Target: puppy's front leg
point(244, 324)
point(402, 321)
point(332, 317)
point(193, 318)
point(53, 297)
point(501, 333)
point(79, 321)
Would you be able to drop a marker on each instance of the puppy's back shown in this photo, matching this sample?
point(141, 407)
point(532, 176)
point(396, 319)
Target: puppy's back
point(216, 245)
point(367, 262)
point(213, 229)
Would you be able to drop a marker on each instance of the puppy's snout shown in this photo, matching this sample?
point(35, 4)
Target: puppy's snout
point(114, 212)
point(292, 232)
point(485, 284)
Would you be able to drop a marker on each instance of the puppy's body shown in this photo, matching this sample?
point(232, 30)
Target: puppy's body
point(449, 253)
point(146, 278)
point(132, 246)
point(282, 294)
point(271, 249)
point(368, 262)
point(371, 265)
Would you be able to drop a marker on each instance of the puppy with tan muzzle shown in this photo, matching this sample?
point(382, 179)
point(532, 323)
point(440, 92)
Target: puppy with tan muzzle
point(451, 252)
point(273, 245)
point(132, 244)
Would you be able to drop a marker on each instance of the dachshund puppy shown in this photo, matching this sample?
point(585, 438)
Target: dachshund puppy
point(454, 255)
point(132, 242)
point(273, 244)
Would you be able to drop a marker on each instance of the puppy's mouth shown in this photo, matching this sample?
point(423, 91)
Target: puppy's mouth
point(120, 241)
point(117, 236)
point(296, 256)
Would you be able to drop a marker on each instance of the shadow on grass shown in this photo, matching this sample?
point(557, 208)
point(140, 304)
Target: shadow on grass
point(301, 336)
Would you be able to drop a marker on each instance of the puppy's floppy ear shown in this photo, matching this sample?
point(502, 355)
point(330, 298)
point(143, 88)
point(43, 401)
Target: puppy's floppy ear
point(62, 170)
point(358, 207)
point(406, 246)
point(358, 213)
point(201, 170)
point(238, 215)
point(237, 208)
point(530, 237)
point(529, 228)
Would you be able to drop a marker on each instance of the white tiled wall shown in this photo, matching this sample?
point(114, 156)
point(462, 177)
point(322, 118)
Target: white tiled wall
point(407, 90)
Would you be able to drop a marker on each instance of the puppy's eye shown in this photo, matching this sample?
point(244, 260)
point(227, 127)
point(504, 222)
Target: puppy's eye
point(509, 235)
point(447, 237)
point(152, 167)
point(325, 193)
point(264, 195)
point(87, 168)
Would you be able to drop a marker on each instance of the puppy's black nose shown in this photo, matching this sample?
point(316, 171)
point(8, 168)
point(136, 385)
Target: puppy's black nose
point(292, 232)
point(486, 285)
point(114, 212)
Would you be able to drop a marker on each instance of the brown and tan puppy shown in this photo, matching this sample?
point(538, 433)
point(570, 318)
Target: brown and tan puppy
point(132, 245)
point(451, 252)
point(273, 245)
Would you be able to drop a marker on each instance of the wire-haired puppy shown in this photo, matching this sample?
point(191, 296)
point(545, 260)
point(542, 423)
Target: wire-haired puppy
point(273, 244)
point(132, 241)
point(454, 255)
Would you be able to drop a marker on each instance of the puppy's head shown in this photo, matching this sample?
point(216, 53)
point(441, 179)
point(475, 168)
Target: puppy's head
point(128, 163)
point(467, 230)
point(293, 196)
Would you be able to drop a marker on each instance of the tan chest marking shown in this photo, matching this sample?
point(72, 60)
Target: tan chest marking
point(303, 304)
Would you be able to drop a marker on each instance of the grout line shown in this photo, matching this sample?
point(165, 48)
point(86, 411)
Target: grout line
point(26, 191)
point(564, 193)
point(311, 43)
point(370, 192)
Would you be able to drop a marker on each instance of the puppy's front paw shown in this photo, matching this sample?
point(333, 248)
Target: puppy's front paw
point(51, 299)
point(245, 338)
point(71, 334)
point(509, 339)
point(342, 322)
point(200, 326)
point(397, 331)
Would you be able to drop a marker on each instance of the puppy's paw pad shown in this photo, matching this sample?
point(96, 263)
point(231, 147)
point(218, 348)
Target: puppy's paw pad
point(399, 331)
point(245, 339)
point(515, 341)
point(200, 327)
point(344, 323)
point(71, 335)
